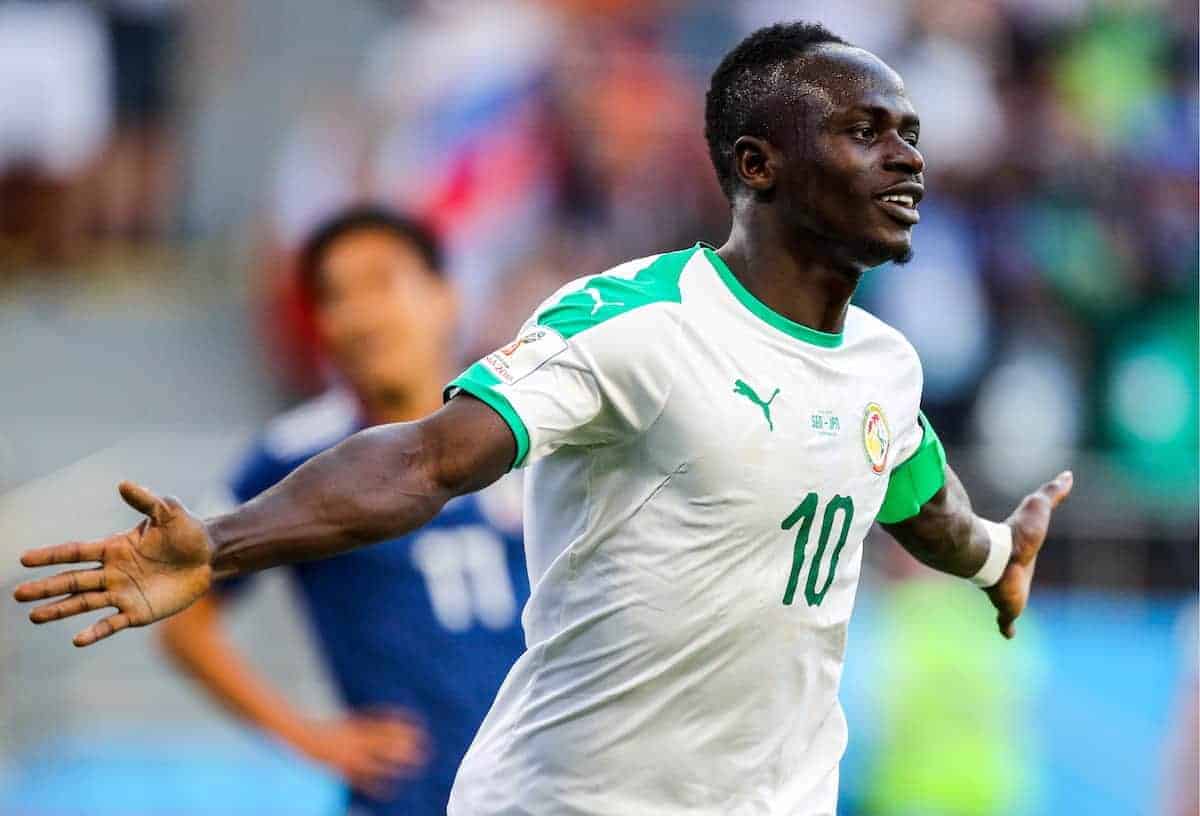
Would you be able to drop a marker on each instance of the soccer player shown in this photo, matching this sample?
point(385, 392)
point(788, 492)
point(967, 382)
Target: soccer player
point(709, 433)
point(418, 632)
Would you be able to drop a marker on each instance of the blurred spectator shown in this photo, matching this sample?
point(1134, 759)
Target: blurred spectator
point(464, 138)
point(139, 176)
point(582, 125)
point(876, 25)
point(1032, 394)
point(55, 116)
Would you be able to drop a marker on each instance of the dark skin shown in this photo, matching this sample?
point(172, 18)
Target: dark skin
point(808, 220)
point(378, 484)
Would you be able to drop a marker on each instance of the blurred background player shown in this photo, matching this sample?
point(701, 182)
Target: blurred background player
point(418, 632)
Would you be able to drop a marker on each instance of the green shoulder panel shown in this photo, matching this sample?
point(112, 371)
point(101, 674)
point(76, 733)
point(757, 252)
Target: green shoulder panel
point(604, 297)
point(915, 480)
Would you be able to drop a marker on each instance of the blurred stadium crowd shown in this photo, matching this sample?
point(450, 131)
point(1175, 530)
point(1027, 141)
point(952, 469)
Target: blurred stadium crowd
point(85, 146)
point(546, 140)
point(1052, 296)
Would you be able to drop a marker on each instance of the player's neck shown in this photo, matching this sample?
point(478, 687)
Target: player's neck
point(801, 280)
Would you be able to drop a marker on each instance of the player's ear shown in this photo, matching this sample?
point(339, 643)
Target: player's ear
point(756, 162)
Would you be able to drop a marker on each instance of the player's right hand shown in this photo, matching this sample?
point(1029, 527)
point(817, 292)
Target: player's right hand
point(148, 573)
point(370, 751)
point(1029, 523)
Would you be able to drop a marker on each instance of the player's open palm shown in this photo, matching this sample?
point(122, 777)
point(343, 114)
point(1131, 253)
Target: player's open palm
point(148, 573)
point(1029, 523)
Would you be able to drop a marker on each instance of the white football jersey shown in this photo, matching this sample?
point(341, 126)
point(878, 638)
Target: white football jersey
point(702, 472)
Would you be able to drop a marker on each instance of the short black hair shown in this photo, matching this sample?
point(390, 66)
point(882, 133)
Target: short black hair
point(366, 217)
point(733, 106)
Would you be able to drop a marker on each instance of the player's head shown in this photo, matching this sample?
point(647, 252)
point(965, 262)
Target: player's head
point(818, 131)
point(383, 310)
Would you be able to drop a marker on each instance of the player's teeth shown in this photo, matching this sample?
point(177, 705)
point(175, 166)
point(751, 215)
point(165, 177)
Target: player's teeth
point(905, 201)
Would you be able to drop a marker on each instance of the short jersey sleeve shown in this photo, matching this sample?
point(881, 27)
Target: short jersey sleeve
point(591, 367)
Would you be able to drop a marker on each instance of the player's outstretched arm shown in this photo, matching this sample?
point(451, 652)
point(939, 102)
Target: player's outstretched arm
point(948, 536)
point(378, 484)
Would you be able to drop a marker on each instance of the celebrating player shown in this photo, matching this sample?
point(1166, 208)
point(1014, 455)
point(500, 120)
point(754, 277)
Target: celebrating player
point(418, 632)
point(709, 433)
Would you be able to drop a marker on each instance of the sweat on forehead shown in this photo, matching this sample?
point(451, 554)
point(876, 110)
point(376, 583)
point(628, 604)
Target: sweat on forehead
point(831, 76)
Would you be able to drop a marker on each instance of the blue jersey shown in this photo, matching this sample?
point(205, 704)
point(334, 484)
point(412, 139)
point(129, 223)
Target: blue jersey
point(429, 622)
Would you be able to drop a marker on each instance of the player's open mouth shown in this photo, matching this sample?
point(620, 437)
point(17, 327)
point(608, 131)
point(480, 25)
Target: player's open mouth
point(900, 202)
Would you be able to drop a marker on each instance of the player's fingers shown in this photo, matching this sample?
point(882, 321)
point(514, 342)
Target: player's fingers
point(71, 552)
point(407, 750)
point(75, 605)
point(1007, 624)
point(393, 729)
point(373, 786)
point(102, 629)
point(142, 500)
point(393, 763)
point(369, 772)
point(386, 772)
point(1057, 489)
point(66, 583)
point(409, 738)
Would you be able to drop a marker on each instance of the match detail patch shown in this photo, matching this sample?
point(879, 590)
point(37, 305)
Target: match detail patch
point(525, 355)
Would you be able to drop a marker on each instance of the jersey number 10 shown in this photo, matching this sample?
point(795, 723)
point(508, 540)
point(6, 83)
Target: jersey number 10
point(805, 514)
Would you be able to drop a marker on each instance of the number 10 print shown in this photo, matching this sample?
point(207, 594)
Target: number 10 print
point(806, 513)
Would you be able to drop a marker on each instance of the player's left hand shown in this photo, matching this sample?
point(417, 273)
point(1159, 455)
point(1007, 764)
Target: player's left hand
point(1029, 523)
point(148, 573)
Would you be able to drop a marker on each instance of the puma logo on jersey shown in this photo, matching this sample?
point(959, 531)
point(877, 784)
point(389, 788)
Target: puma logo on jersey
point(600, 301)
point(740, 387)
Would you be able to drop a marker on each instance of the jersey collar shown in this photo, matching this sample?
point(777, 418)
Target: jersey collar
point(764, 312)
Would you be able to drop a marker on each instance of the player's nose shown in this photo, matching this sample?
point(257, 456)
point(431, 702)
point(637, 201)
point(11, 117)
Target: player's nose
point(905, 158)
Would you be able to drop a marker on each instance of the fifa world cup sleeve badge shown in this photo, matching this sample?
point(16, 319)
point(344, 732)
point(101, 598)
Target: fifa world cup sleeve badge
point(877, 437)
point(525, 355)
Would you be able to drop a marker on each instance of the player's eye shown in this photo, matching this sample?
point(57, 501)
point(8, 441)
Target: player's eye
point(911, 137)
point(865, 132)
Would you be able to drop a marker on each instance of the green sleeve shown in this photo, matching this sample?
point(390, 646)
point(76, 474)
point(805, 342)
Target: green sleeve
point(482, 384)
point(915, 480)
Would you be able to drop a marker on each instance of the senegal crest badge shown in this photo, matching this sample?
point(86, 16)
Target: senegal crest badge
point(877, 437)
